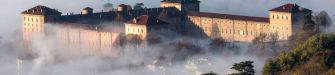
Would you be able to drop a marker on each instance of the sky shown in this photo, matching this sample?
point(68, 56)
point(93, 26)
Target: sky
point(10, 19)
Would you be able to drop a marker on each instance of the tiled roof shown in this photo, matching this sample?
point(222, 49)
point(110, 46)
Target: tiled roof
point(94, 18)
point(146, 20)
point(228, 16)
point(142, 20)
point(289, 8)
point(41, 10)
point(111, 16)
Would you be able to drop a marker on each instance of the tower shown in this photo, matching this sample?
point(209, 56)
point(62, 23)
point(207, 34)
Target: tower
point(87, 10)
point(287, 19)
point(124, 7)
point(34, 20)
point(182, 5)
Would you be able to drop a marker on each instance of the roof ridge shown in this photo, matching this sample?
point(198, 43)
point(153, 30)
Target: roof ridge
point(229, 16)
point(41, 10)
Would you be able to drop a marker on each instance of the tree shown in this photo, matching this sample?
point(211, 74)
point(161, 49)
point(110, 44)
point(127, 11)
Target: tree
point(273, 41)
point(314, 56)
point(138, 6)
point(271, 67)
point(259, 41)
point(108, 7)
point(322, 19)
point(211, 73)
point(243, 68)
point(134, 39)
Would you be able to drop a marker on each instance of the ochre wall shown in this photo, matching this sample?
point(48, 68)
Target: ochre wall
point(140, 30)
point(32, 27)
point(281, 23)
point(88, 42)
point(168, 4)
point(237, 30)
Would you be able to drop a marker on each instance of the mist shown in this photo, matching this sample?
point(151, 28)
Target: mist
point(10, 26)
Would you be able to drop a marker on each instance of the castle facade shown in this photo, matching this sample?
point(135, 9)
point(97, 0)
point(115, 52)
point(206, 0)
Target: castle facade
point(90, 31)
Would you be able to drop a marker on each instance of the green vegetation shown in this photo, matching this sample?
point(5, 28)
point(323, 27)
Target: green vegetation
point(211, 73)
point(315, 56)
point(244, 68)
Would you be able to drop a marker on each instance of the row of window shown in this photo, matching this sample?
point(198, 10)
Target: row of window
point(267, 27)
point(239, 32)
point(31, 19)
point(31, 25)
point(209, 21)
point(279, 17)
point(90, 43)
point(31, 30)
point(137, 30)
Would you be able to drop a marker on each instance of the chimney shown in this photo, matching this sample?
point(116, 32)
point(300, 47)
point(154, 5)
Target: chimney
point(135, 20)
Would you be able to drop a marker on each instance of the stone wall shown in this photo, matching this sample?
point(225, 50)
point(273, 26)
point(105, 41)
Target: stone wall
point(233, 30)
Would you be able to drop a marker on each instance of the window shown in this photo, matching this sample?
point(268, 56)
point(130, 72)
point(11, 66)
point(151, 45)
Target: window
point(277, 17)
point(273, 16)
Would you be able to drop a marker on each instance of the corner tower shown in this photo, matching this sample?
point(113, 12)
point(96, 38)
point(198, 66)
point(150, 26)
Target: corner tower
point(287, 19)
point(182, 5)
point(34, 20)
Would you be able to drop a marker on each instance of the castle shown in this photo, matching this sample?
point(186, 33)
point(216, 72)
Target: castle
point(91, 31)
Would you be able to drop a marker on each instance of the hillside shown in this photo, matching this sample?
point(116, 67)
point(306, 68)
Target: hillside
point(315, 56)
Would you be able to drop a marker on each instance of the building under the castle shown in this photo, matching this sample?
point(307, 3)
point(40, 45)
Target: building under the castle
point(93, 31)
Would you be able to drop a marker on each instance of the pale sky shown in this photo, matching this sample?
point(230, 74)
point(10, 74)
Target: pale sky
point(10, 14)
